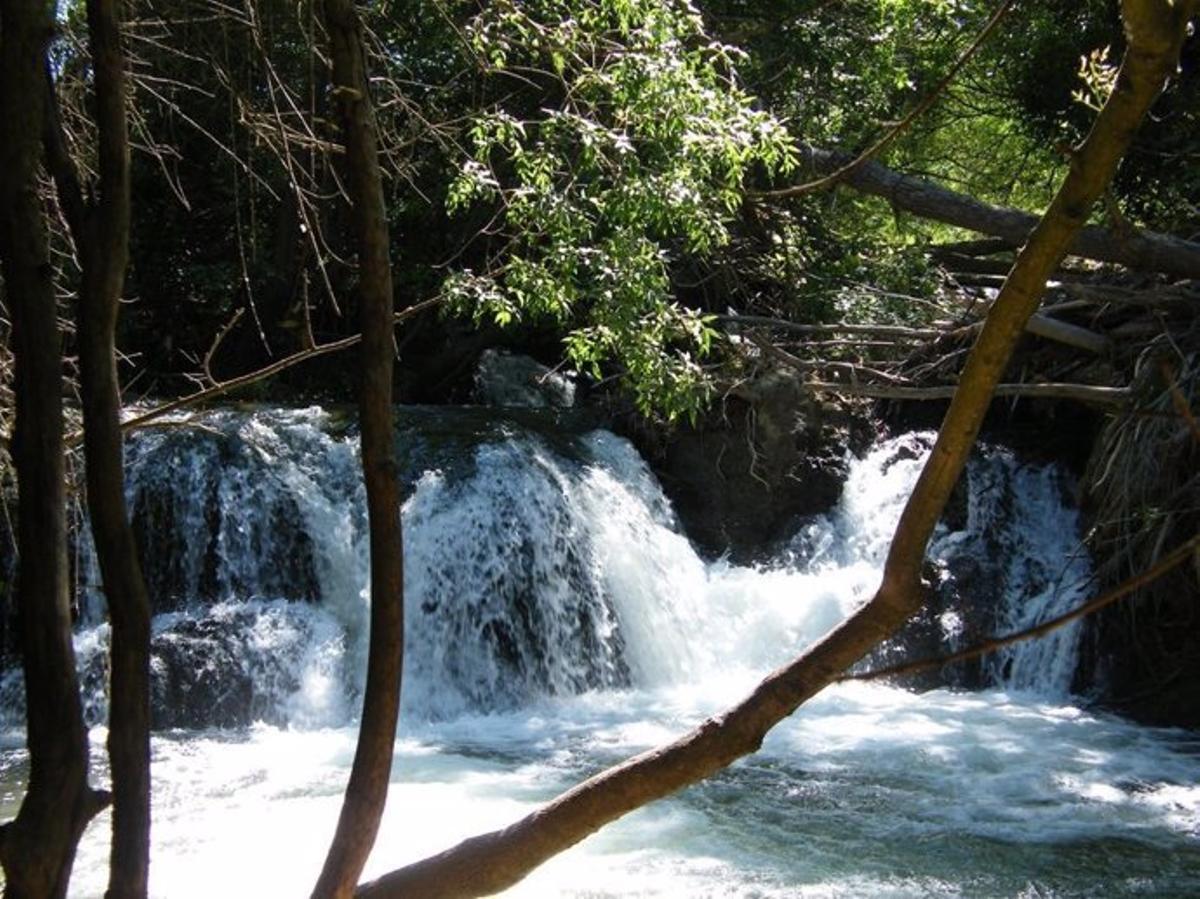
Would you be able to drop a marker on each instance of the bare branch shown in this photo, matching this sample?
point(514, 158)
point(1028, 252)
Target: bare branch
point(903, 125)
point(222, 388)
point(1177, 556)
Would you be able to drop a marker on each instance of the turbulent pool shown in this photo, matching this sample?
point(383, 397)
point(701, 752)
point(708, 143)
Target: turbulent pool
point(558, 621)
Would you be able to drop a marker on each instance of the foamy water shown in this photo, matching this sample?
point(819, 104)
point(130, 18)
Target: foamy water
point(558, 623)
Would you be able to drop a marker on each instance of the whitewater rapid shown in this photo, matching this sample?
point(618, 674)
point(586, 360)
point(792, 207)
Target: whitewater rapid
point(559, 622)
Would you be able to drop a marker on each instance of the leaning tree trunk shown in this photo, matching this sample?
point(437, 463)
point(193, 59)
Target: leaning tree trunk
point(1142, 250)
point(100, 228)
point(366, 793)
point(494, 861)
point(37, 848)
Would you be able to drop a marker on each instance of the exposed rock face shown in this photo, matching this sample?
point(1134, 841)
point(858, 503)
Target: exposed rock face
point(1143, 656)
point(765, 455)
point(206, 676)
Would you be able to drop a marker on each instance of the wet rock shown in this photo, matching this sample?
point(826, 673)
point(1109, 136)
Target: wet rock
point(767, 454)
point(204, 672)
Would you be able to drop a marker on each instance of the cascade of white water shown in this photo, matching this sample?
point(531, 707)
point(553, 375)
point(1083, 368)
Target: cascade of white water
point(541, 568)
point(559, 622)
point(1018, 553)
point(1021, 526)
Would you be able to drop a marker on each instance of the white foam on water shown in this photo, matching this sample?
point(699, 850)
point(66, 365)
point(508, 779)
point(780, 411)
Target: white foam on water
point(868, 790)
point(559, 622)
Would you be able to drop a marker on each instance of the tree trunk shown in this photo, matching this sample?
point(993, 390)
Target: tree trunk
point(494, 861)
point(1143, 250)
point(37, 848)
point(101, 232)
point(366, 792)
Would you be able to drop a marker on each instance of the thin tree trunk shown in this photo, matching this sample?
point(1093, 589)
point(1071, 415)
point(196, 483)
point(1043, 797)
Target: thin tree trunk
point(494, 861)
point(101, 232)
point(366, 792)
point(37, 848)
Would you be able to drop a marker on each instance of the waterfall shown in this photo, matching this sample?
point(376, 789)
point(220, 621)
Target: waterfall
point(540, 562)
point(560, 622)
point(1007, 555)
point(1024, 537)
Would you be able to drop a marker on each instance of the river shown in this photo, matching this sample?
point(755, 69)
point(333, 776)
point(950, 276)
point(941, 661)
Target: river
point(558, 622)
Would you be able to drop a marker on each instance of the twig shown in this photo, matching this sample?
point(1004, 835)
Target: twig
point(224, 387)
point(216, 344)
point(807, 365)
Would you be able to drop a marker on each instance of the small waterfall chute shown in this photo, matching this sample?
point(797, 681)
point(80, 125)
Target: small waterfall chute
point(1023, 537)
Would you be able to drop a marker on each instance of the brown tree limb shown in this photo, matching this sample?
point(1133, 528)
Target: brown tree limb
point(100, 228)
point(222, 388)
point(366, 792)
point(1177, 556)
point(904, 124)
point(38, 847)
point(1142, 250)
point(61, 164)
point(494, 861)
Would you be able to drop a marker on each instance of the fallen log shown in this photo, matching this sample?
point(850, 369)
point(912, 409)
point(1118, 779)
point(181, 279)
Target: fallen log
point(1106, 294)
point(1049, 328)
point(1041, 325)
point(958, 264)
point(984, 246)
point(1143, 250)
point(1067, 333)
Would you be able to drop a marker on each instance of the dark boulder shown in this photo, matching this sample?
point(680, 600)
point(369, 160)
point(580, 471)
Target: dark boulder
point(767, 454)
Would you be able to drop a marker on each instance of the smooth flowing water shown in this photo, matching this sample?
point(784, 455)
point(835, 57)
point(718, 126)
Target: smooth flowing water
point(559, 622)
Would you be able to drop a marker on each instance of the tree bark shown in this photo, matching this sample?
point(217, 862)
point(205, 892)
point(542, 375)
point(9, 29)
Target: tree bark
point(366, 792)
point(1143, 250)
point(100, 228)
point(37, 848)
point(494, 861)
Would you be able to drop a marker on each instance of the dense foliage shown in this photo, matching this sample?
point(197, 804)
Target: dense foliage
point(581, 176)
point(639, 155)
